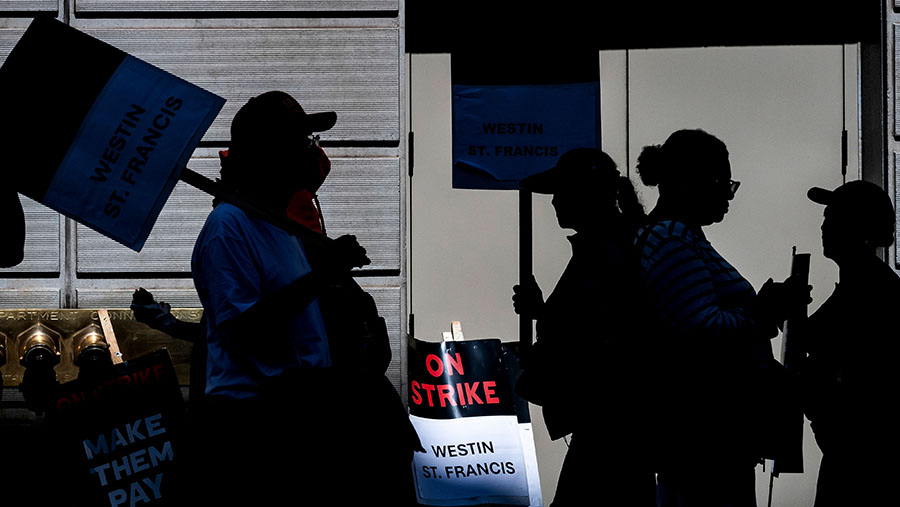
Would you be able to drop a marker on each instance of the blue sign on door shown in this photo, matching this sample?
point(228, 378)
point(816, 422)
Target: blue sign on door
point(503, 133)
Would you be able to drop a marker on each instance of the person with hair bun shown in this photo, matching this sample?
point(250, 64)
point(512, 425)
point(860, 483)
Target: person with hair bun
point(591, 314)
point(711, 346)
point(850, 375)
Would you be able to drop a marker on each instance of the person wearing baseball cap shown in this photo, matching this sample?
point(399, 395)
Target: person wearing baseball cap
point(273, 138)
point(590, 312)
point(849, 376)
point(859, 217)
point(267, 347)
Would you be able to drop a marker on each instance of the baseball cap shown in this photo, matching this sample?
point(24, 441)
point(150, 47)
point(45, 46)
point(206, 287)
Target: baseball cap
point(276, 110)
point(862, 203)
point(576, 168)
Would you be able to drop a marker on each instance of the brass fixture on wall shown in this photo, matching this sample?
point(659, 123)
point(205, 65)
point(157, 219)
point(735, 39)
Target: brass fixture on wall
point(77, 335)
point(38, 346)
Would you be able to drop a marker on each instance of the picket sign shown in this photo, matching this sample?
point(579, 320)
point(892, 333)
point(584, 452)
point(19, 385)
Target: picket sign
point(476, 431)
point(119, 435)
point(109, 153)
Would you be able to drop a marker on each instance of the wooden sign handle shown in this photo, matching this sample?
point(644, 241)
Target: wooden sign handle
point(110, 336)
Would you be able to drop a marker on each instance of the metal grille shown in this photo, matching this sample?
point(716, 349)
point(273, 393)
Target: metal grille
point(353, 72)
point(214, 7)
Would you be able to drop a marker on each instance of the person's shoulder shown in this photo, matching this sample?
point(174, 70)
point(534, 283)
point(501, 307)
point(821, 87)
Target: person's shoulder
point(225, 212)
point(656, 233)
point(226, 218)
point(225, 224)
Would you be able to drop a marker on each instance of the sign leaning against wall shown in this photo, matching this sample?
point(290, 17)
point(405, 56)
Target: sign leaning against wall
point(475, 430)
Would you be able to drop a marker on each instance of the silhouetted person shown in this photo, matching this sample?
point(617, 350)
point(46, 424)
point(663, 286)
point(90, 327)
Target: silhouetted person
point(360, 352)
point(712, 345)
point(587, 337)
point(13, 250)
point(158, 315)
point(270, 399)
point(850, 375)
point(13, 218)
point(359, 346)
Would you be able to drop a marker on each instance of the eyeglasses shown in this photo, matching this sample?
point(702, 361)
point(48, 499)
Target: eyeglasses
point(730, 184)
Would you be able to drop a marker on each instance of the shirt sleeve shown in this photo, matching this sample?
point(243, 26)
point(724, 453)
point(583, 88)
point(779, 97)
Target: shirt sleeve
point(231, 276)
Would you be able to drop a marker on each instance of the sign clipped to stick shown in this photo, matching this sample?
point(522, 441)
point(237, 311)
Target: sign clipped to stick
point(94, 133)
point(475, 430)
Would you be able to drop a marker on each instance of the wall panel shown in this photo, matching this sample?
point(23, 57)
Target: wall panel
point(22, 6)
point(9, 36)
point(353, 72)
point(121, 298)
point(214, 7)
point(36, 297)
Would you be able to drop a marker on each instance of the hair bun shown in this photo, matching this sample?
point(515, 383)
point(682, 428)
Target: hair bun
point(649, 165)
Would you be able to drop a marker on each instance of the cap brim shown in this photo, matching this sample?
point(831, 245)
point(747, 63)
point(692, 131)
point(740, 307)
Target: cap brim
point(320, 122)
point(545, 182)
point(819, 195)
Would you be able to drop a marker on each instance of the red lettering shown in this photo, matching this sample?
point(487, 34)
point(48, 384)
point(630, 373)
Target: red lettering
point(158, 371)
point(416, 397)
point(472, 393)
point(459, 394)
point(489, 392)
point(445, 393)
point(429, 389)
point(65, 403)
point(457, 365)
point(62, 404)
point(429, 360)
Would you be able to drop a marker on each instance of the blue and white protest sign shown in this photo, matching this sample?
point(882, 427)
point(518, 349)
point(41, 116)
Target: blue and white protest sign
point(503, 133)
point(115, 148)
point(475, 430)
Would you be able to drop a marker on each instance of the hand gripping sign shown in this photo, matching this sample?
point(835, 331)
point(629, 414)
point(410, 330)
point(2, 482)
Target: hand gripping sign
point(94, 133)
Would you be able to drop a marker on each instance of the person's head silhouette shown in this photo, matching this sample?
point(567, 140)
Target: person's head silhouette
point(587, 189)
point(273, 151)
point(693, 174)
point(859, 217)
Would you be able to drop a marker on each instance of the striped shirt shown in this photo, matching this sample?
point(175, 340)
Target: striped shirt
point(694, 291)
